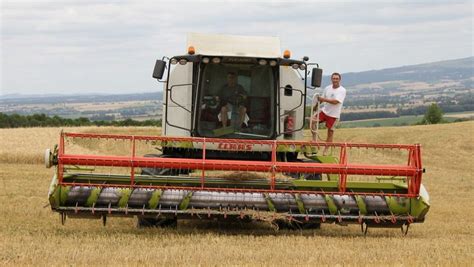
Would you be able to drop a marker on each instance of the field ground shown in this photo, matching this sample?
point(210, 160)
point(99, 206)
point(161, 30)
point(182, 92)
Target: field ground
point(30, 234)
point(467, 114)
point(403, 120)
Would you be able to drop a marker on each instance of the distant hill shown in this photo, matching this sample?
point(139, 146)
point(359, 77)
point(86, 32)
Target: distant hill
point(93, 98)
point(456, 70)
point(455, 74)
point(96, 107)
point(405, 90)
point(449, 83)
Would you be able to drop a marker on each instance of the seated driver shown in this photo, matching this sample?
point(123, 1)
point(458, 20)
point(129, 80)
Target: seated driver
point(232, 95)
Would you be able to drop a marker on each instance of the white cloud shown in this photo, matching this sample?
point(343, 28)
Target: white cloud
point(110, 46)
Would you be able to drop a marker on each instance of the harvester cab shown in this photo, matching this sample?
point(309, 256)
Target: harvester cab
point(232, 148)
point(256, 87)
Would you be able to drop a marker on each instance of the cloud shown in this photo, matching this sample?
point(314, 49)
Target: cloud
point(110, 46)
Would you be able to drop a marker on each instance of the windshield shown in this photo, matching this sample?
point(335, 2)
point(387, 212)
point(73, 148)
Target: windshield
point(237, 101)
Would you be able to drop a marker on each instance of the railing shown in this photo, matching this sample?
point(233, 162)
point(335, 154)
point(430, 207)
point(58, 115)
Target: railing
point(412, 170)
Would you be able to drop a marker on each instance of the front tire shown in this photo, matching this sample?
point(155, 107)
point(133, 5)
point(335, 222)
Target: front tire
point(287, 225)
point(144, 222)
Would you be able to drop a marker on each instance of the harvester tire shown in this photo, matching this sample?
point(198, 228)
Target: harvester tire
point(160, 171)
point(286, 225)
point(160, 222)
point(305, 176)
point(311, 225)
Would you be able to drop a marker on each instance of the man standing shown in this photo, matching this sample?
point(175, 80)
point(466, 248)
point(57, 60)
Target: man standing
point(332, 98)
point(232, 95)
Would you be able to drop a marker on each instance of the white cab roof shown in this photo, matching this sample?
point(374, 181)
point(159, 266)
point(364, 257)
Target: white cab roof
point(235, 45)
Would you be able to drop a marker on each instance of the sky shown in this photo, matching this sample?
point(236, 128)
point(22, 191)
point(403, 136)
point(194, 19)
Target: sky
point(84, 46)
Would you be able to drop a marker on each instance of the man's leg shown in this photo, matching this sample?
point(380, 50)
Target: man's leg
point(328, 140)
point(330, 135)
point(224, 118)
point(242, 112)
point(330, 124)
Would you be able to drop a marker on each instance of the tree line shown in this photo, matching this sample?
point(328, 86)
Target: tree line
point(461, 106)
point(42, 120)
point(354, 116)
point(433, 114)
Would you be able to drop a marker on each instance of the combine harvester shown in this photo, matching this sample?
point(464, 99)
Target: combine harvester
point(259, 170)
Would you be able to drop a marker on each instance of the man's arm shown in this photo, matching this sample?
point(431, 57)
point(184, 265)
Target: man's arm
point(222, 97)
point(242, 94)
point(330, 101)
point(339, 97)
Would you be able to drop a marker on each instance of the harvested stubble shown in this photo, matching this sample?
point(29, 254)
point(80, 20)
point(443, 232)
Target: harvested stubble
point(31, 234)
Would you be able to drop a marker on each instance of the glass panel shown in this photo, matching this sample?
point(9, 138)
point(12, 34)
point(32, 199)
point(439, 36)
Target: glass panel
point(237, 101)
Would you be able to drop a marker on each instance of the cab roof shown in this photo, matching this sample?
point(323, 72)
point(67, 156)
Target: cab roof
point(234, 45)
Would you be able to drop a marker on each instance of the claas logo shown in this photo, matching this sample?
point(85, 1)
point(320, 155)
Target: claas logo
point(233, 146)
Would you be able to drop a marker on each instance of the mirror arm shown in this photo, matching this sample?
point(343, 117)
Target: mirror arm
point(164, 58)
point(309, 72)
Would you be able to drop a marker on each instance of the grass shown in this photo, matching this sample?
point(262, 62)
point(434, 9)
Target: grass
point(30, 234)
point(400, 121)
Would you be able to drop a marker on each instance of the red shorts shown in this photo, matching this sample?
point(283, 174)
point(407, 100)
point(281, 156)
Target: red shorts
point(330, 121)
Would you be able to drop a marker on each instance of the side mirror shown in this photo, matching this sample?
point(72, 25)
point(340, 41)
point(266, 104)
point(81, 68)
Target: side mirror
point(316, 77)
point(159, 70)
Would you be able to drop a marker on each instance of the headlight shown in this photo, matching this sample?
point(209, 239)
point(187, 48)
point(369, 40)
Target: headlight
point(262, 62)
point(183, 61)
point(174, 61)
point(205, 60)
point(295, 66)
point(273, 63)
point(302, 66)
point(216, 60)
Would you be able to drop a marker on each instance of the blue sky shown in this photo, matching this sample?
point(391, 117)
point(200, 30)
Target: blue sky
point(110, 46)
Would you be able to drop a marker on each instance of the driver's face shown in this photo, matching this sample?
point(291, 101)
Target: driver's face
point(335, 81)
point(231, 79)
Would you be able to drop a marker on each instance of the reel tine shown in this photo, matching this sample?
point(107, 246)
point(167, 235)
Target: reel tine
point(364, 229)
point(393, 219)
point(404, 231)
point(377, 219)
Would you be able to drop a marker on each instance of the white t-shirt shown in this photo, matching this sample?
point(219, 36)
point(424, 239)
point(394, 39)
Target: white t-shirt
point(334, 93)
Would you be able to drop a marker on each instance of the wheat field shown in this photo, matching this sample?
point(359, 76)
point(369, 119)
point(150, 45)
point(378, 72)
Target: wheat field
point(31, 234)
